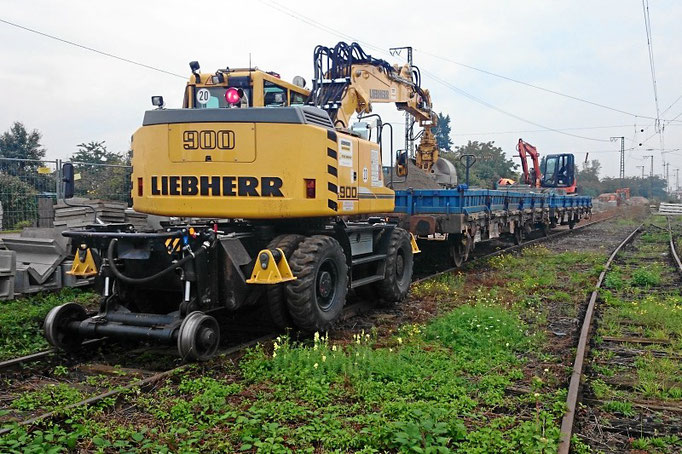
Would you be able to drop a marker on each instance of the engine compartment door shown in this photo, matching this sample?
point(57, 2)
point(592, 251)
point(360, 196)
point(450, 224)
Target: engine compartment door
point(212, 142)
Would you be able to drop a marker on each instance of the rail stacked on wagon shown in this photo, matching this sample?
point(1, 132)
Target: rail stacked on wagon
point(465, 216)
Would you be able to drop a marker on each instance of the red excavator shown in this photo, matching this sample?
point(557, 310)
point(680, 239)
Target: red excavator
point(556, 171)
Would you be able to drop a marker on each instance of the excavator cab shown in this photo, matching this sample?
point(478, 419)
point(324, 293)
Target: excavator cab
point(558, 171)
point(242, 88)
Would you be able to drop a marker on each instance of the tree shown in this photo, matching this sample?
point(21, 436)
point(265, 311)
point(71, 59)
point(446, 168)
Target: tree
point(590, 184)
point(18, 143)
point(491, 163)
point(649, 187)
point(96, 153)
point(588, 179)
point(442, 132)
point(19, 202)
point(103, 174)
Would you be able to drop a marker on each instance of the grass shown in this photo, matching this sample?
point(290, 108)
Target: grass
point(437, 386)
point(422, 390)
point(53, 395)
point(624, 408)
point(21, 320)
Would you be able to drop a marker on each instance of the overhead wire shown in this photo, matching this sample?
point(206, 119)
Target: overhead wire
point(91, 49)
point(295, 15)
point(534, 86)
point(659, 127)
point(524, 131)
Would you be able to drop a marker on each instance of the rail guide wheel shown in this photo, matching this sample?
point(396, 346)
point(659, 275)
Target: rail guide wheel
point(198, 337)
point(56, 326)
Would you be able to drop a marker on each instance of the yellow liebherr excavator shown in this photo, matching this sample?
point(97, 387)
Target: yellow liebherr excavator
point(277, 175)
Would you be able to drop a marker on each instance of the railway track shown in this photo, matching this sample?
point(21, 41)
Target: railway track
point(627, 369)
point(100, 380)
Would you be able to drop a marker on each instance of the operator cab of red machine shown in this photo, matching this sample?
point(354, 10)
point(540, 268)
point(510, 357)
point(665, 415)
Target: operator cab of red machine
point(558, 171)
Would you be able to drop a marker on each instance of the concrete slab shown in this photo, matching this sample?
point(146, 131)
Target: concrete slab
point(6, 287)
point(41, 256)
point(8, 263)
point(24, 283)
point(54, 233)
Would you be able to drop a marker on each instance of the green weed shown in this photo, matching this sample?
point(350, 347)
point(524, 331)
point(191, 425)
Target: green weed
point(21, 320)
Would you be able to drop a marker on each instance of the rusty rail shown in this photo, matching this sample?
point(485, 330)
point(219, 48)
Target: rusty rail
point(673, 250)
point(144, 383)
point(42, 354)
point(574, 385)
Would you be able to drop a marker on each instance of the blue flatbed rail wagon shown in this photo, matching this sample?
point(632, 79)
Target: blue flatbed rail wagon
point(464, 216)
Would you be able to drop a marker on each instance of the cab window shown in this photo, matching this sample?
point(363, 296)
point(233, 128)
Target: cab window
point(274, 95)
point(214, 98)
point(297, 99)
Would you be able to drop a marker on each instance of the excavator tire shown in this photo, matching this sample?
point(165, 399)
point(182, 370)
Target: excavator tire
point(399, 265)
point(316, 298)
point(276, 294)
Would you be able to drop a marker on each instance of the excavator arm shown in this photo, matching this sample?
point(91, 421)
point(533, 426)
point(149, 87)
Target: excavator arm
point(524, 149)
point(348, 81)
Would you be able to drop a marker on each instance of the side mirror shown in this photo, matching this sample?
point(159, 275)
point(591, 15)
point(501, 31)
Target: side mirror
point(68, 179)
point(401, 163)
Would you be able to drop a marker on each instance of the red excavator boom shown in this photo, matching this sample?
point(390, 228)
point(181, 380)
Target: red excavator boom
point(530, 178)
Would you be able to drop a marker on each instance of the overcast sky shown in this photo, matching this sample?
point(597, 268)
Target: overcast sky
point(596, 50)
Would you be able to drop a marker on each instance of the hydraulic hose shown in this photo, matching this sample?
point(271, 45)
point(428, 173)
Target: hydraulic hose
point(145, 280)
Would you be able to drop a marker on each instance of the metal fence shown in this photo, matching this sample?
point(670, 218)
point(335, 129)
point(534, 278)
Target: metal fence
point(29, 189)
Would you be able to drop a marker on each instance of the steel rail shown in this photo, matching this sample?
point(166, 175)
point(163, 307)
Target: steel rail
point(673, 250)
point(146, 382)
point(42, 354)
point(574, 385)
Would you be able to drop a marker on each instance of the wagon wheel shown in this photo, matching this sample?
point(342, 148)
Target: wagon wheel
point(457, 249)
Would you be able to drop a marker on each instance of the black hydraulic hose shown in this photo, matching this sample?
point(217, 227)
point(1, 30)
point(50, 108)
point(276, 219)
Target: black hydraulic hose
point(145, 280)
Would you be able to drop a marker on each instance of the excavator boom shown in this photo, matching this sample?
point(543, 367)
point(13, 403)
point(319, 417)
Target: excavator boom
point(533, 178)
point(348, 81)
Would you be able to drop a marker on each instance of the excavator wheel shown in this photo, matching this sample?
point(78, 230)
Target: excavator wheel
point(399, 265)
point(316, 297)
point(276, 294)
